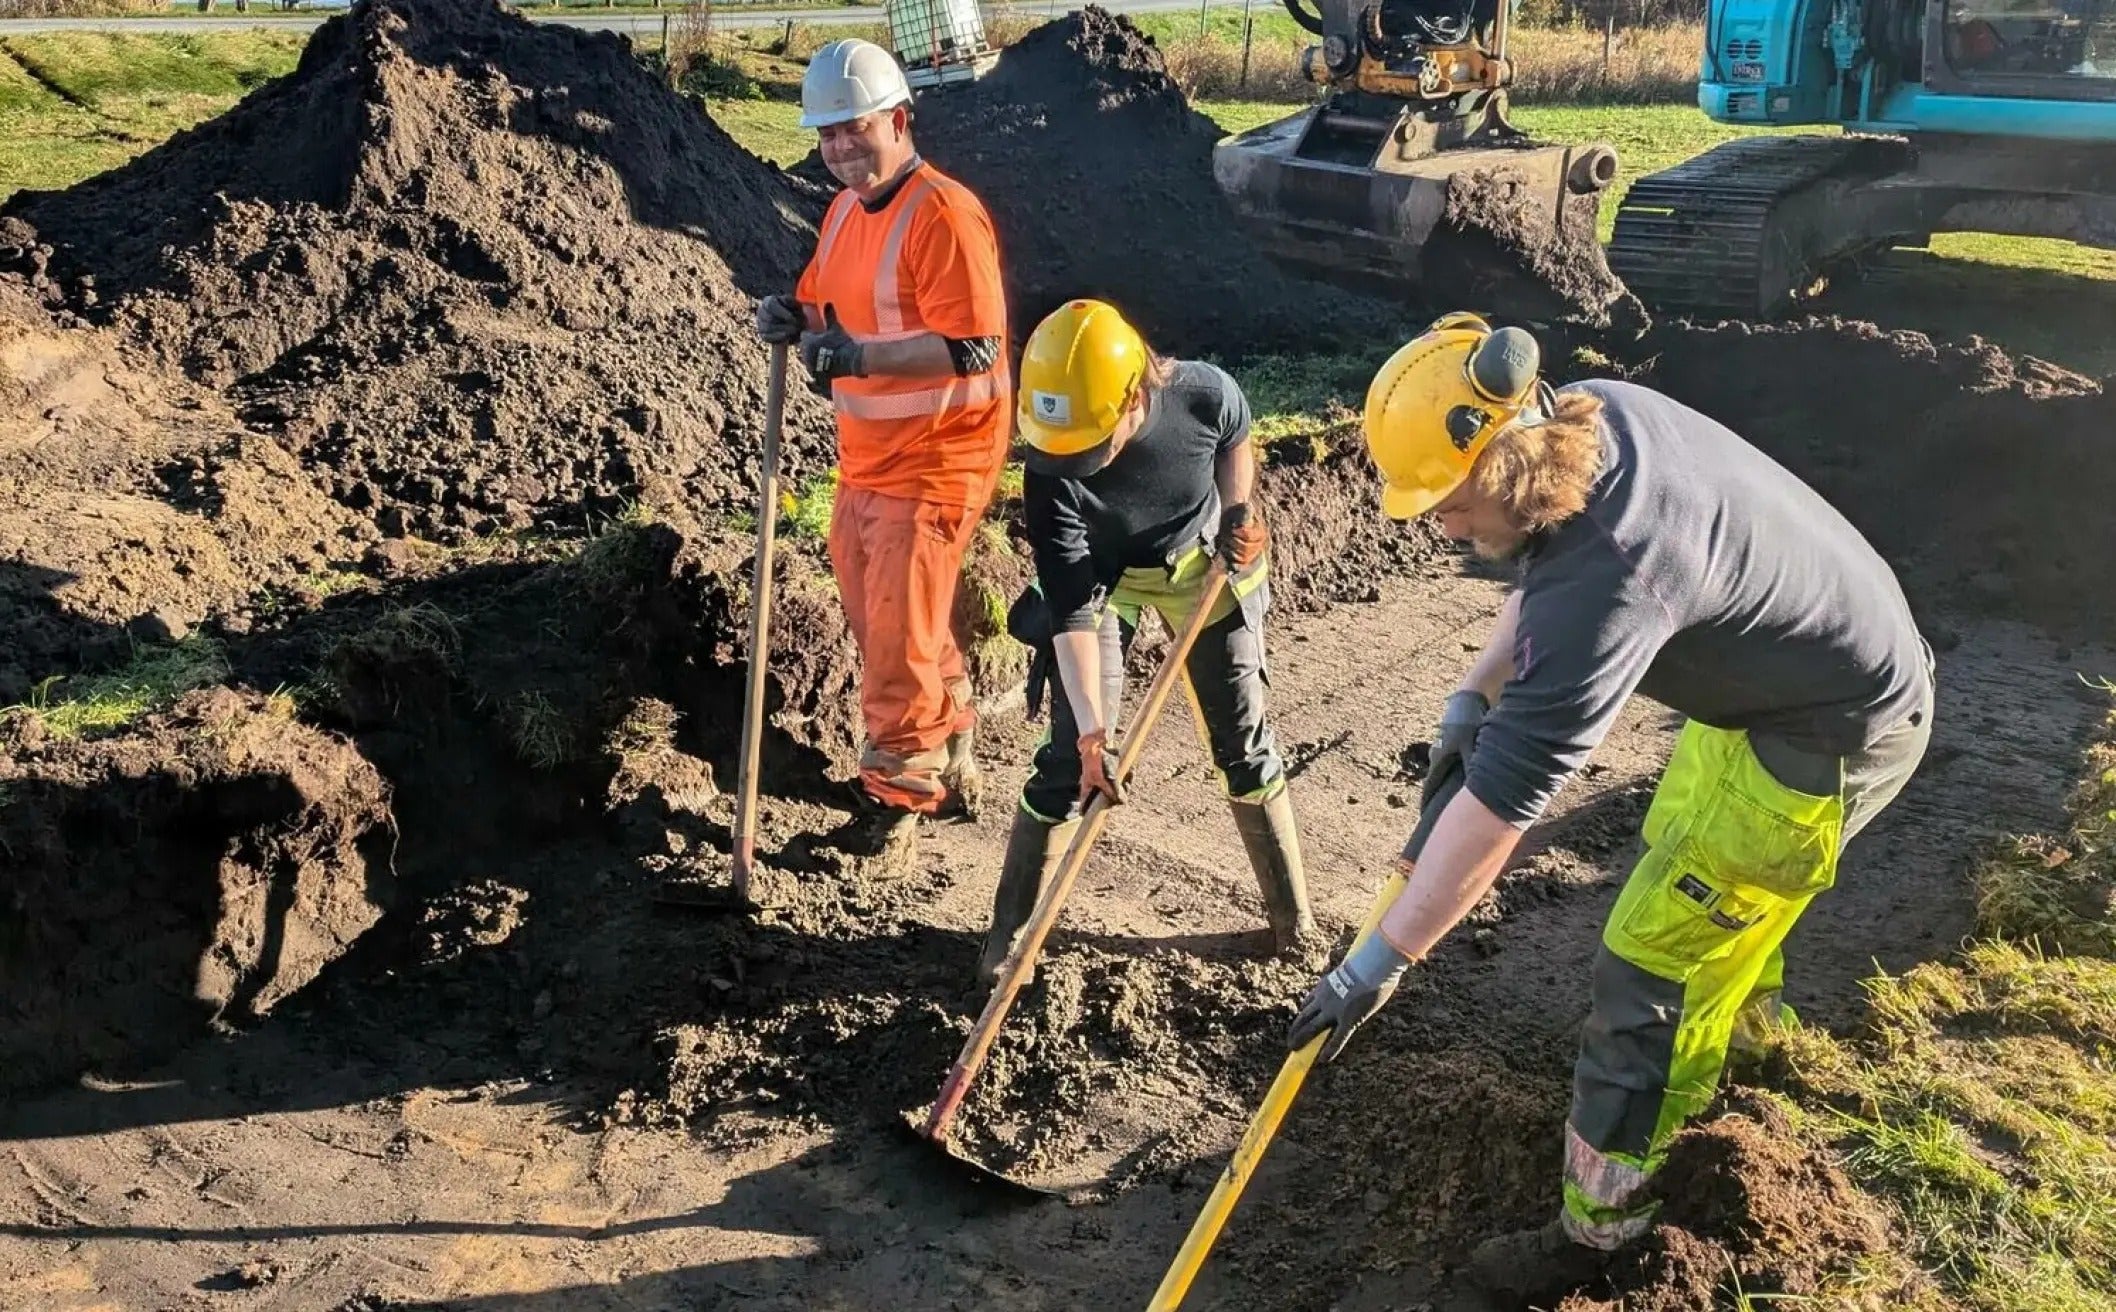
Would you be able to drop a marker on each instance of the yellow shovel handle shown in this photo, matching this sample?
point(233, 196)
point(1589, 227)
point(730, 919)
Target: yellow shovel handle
point(1249, 1153)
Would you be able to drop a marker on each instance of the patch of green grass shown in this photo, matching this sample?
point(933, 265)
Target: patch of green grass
point(20, 91)
point(2058, 894)
point(1303, 398)
point(614, 550)
point(334, 582)
point(104, 70)
point(1981, 1101)
point(135, 91)
point(805, 513)
point(771, 128)
point(308, 591)
point(89, 705)
point(423, 629)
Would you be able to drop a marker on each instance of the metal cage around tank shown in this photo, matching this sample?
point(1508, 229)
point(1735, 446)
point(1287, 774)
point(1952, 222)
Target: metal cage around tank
point(939, 41)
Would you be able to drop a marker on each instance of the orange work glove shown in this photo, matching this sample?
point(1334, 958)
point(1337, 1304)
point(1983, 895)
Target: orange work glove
point(1242, 537)
point(1095, 774)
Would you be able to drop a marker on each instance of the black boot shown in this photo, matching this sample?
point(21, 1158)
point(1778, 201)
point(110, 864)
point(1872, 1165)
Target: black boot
point(1034, 848)
point(1534, 1268)
point(1273, 843)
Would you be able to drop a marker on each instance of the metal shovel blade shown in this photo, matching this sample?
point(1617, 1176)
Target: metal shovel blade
point(705, 897)
point(1007, 1186)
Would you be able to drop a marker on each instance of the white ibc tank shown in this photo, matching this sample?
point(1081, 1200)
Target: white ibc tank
point(938, 40)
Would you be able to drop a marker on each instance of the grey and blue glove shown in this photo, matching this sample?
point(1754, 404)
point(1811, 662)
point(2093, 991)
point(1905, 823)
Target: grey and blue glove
point(1343, 999)
point(1460, 720)
point(833, 352)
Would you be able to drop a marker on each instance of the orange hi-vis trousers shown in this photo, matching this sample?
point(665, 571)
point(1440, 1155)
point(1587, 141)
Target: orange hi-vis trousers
point(898, 562)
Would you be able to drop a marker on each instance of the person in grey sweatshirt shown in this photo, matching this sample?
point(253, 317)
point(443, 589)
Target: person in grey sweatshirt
point(1658, 553)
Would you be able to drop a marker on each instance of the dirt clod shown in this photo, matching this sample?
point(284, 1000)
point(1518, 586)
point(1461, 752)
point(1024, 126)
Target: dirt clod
point(1747, 1201)
point(1497, 246)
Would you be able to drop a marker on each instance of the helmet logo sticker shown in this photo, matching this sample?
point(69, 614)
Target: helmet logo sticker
point(1053, 407)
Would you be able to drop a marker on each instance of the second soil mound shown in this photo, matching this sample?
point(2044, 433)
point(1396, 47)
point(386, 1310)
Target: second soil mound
point(1098, 174)
point(1982, 477)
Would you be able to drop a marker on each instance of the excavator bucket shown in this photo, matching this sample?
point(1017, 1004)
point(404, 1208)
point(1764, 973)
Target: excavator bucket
point(1459, 210)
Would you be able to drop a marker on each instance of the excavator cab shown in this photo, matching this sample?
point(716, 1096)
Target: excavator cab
point(1413, 96)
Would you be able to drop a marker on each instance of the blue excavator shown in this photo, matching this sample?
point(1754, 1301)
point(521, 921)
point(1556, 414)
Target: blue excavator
point(1954, 116)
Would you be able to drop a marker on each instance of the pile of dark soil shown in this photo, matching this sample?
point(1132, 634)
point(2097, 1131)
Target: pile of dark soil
point(1983, 477)
point(1098, 176)
point(476, 272)
point(837, 1008)
point(1330, 543)
point(133, 504)
point(202, 866)
point(1747, 1200)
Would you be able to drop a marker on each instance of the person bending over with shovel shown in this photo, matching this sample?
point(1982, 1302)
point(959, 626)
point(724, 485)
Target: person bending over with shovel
point(1140, 471)
point(900, 318)
point(1659, 553)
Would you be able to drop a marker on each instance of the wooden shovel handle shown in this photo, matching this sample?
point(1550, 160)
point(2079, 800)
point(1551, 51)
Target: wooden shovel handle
point(745, 844)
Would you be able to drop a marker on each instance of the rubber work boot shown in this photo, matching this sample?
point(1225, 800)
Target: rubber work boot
point(1273, 842)
point(1534, 1268)
point(962, 776)
point(1034, 849)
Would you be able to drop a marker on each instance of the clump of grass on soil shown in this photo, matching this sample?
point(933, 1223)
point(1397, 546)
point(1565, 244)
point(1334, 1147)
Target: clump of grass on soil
point(88, 705)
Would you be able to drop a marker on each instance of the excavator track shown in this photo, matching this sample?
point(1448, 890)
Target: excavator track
point(1734, 232)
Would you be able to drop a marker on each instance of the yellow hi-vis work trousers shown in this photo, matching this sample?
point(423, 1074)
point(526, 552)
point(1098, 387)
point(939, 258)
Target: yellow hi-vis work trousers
point(1694, 947)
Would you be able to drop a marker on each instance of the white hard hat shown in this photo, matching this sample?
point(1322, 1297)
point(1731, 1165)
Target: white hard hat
point(849, 78)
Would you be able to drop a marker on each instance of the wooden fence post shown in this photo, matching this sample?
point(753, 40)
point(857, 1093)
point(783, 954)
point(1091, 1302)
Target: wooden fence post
point(1248, 36)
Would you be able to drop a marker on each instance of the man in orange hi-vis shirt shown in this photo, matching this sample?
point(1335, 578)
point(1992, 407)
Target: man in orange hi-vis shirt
point(900, 316)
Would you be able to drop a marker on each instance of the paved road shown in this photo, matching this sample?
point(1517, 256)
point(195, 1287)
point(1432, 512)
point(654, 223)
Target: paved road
point(724, 16)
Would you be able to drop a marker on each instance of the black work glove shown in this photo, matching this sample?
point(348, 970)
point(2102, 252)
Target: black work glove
point(1242, 537)
point(781, 320)
point(1343, 999)
point(833, 352)
point(1460, 720)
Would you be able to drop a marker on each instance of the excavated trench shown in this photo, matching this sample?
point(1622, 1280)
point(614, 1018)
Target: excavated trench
point(309, 398)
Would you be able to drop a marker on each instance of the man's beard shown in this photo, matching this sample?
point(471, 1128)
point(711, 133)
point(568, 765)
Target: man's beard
point(1500, 549)
point(858, 172)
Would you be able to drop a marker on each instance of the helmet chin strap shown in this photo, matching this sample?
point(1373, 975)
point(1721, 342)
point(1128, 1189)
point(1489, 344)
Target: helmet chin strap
point(1542, 408)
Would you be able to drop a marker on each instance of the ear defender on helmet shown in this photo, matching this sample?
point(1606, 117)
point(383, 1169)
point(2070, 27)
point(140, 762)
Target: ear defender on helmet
point(1501, 369)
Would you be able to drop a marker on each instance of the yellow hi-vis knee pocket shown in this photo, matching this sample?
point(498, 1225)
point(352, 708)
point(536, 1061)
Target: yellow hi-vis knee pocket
point(1728, 847)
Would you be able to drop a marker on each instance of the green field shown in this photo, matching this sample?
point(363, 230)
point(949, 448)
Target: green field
point(75, 103)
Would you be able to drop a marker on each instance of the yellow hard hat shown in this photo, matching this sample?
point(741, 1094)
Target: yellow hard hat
point(1439, 400)
point(1080, 371)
